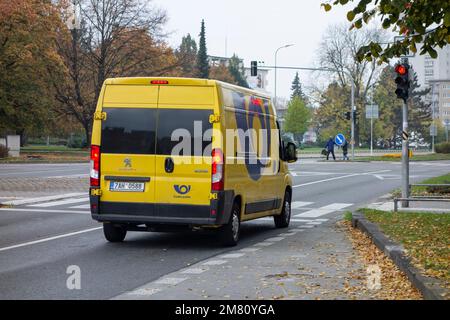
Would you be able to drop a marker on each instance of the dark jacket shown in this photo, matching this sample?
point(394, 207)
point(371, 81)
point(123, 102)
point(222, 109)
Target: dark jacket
point(330, 145)
point(345, 147)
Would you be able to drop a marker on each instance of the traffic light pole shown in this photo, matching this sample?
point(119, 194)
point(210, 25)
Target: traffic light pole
point(353, 107)
point(405, 156)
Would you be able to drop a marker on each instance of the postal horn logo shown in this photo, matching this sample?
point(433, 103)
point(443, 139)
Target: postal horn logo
point(182, 189)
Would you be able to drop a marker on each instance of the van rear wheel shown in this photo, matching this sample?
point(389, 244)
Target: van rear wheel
point(229, 233)
point(114, 233)
point(282, 220)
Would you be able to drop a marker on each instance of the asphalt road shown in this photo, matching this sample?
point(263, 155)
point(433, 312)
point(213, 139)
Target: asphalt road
point(38, 244)
point(43, 170)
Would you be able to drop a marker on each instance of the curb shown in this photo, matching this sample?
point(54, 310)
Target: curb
point(428, 287)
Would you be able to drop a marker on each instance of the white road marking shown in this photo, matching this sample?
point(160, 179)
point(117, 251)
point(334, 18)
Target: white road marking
point(314, 223)
point(232, 255)
point(83, 206)
point(214, 262)
point(49, 239)
point(274, 239)
point(42, 199)
point(59, 203)
point(250, 249)
point(299, 204)
point(321, 220)
point(170, 281)
point(341, 177)
point(314, 213)
point(44, 210)
point(194, 270)
point(144, 292)
point(306, 227)
point(70, 176)
point(264, 244)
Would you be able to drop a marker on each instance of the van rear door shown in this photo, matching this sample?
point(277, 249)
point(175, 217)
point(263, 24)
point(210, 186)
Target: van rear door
point(128, 139)
point(183, 147)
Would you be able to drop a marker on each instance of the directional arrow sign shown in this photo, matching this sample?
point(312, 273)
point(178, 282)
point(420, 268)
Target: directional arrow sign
point(339, 139)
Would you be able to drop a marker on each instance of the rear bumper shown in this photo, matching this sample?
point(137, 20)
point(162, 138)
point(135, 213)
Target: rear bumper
point(217, 213)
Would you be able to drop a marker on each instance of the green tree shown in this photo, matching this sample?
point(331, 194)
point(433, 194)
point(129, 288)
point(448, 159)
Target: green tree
point(329, 117)
point(297, 118)
point(296, 88)
point(419, 21)
point(236, 69)
point(388, 128)
point(187, 55)
point(202, 55)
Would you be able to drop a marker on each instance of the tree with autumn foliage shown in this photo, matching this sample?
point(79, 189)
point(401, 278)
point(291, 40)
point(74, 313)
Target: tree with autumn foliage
point(114, 38)
point(28, 60)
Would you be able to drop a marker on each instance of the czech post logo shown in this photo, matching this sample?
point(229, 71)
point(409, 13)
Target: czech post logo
point(182, 189)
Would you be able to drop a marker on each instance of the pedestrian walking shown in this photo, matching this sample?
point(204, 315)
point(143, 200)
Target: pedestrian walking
point(345, 150)
point(330, 148)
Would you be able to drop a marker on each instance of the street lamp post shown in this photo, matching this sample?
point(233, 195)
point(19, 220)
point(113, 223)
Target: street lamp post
point(276, 52)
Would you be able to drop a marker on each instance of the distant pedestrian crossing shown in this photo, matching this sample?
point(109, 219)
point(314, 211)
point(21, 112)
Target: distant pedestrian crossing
point(302, 211)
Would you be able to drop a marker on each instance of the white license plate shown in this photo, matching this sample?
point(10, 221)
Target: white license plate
point(126, 186)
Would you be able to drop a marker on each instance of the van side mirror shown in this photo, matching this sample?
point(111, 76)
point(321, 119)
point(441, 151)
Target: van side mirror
point(290, 152)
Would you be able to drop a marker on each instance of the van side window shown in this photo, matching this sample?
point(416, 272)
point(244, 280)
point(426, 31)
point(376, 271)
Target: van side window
point(183, 127)
point(129, 130)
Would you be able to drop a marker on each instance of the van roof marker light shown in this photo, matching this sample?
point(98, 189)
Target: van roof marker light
point(159, 82)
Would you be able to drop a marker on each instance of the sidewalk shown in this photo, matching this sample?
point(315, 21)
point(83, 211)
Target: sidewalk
point(414, 206)
point(309, 261)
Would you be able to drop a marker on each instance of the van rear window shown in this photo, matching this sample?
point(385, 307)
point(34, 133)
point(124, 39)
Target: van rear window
point(187, 128)
point(129, 130)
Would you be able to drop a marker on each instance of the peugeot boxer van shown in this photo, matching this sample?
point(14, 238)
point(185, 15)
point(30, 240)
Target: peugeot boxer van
point(175, 153)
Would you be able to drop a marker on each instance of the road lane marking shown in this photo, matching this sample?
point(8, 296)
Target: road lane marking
point(232, 255)
point(215, 262)
point(299, 204)
point(194, 270)
point(49, 239)
point(42, 199)
point(59, 203)
point(44, 210)
point(341, 177)
point(315, 213)
point(250, 249)
point(264, 244)
point(170, 281)
point(274, 239)
point(83, 206)
point(144, 292)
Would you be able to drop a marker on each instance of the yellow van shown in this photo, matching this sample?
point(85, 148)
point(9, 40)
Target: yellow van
point(175, 153)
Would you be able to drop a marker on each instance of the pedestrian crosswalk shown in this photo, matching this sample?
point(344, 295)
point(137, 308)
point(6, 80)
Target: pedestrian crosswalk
point(302, 211)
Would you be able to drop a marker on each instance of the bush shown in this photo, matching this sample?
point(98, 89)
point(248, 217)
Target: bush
point(3, 151)
point(77, 141)
point(443, 147)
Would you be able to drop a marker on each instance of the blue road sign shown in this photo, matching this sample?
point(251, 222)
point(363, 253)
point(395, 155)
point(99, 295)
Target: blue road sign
point(339, 139)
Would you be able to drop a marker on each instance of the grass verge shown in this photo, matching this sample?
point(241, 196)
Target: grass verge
point(425, 236)
point(419, 157)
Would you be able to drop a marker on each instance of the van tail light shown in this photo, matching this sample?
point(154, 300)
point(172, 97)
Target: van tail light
point(95, 166)
point(217, 170)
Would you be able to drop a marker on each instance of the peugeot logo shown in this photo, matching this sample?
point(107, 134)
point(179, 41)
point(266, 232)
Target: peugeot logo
point(127, 162)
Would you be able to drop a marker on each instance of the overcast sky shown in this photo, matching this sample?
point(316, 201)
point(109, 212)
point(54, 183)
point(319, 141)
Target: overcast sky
point(254, 29)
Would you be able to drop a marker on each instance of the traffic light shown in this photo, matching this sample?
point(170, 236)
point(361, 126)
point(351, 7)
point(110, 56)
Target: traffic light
point(254, 68)
point(402, 80)
point(348, 115)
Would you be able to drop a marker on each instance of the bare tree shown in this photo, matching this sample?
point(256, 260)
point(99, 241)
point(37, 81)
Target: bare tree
point(338, 50)
point(113, 38)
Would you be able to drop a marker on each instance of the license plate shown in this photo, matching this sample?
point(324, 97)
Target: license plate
point(126, 186)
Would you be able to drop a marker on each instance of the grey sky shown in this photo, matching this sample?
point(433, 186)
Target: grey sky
point(255, 29)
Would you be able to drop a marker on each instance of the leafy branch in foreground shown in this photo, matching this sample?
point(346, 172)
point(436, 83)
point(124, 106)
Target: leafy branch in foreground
point(421, 22)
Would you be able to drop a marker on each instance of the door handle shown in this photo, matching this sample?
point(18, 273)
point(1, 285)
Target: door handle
point(169, 165)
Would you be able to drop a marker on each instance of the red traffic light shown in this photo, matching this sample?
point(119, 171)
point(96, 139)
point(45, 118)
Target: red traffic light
point(401, 69)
